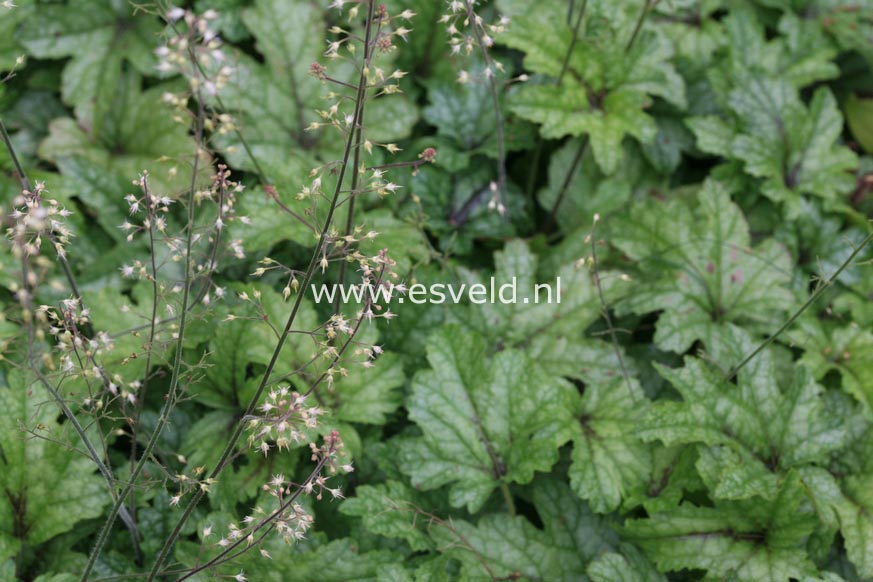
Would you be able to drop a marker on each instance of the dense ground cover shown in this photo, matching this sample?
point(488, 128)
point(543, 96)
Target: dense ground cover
point(175, 404)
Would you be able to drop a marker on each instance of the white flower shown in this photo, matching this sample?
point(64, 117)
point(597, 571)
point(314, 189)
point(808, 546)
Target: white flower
point(175, 14)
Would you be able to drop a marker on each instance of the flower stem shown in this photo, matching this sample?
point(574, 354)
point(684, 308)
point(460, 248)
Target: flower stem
point(102, 467)
point(268, 372)
point(356, 174)
point(173, 393)
point(819, 291)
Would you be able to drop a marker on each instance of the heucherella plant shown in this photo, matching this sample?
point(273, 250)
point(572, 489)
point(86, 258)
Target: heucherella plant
point(413, 290)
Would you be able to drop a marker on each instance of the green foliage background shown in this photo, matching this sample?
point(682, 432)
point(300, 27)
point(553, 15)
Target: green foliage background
point(725, 146)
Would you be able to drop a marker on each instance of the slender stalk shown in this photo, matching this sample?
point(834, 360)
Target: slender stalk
point(647, 8)
point(268, 372)
point(565, 66)
point(552, 218)
point(595, 276)
point(819, 291)
point(172, 395)
point(356, 174)
point(495, 100)
point(140, 399)
point(212, 263)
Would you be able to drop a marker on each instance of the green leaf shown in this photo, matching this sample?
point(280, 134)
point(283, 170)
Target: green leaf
point(10, 47)
point(671, 141)
point(612, 567)
point(7, 568)
point(500, 546)
point(247, 339)
point(139, 135)
point(407, 244)
point(628, 567)
point(698, 267)
point(569, 111)
point(102, 37)
point(751, 433)
point(120, 316)
point(463, 114)
point(48, 488)
point(485, 423)
point(515, 320)
point(274, 116)
point(241, 482)
point(602, 88)
point(859, 116)
point(457, 205)
point(800, 55)
point(393, 572)
point(550, 331)
point(575, 531)
point(846, 509)
point(288, 56)
point(391, 510)
point(673, 477)
point(368, 395)
point(847, 350)
point(228, 23)
point(754, 543)
point(608, 459)
point(586, 191)
point(336, 561)
point(792, 147)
